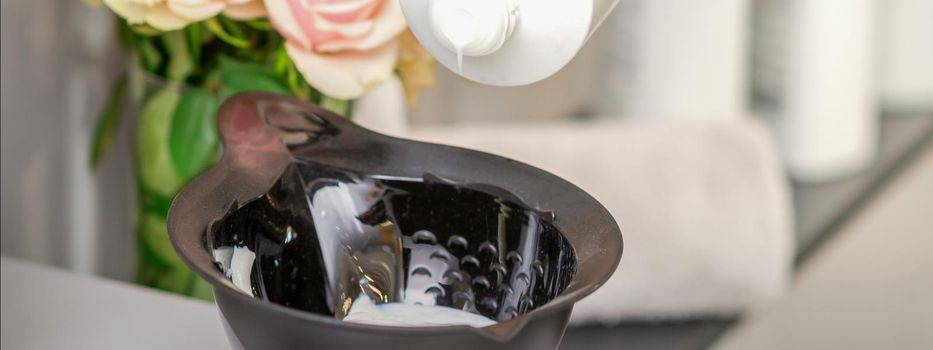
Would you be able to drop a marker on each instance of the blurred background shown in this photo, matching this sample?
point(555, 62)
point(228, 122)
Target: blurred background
point(768, 161)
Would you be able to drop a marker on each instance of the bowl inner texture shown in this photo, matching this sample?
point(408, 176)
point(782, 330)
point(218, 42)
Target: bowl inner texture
point(320, 237)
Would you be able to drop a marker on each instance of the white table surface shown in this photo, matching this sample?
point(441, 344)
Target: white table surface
point(46, 308)
point(871, 287)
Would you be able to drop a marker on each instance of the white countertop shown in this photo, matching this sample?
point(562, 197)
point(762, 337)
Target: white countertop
point(871, 287)
point(46, 308)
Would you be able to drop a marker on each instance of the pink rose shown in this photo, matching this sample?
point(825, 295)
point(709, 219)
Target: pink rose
point(245, 9)
point(342, 47)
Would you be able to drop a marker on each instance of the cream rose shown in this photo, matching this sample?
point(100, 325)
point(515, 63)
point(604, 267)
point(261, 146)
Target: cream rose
point(342, 47)
point(176, 14)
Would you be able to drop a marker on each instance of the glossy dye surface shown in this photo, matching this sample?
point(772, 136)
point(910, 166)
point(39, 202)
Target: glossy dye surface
point(321, 237)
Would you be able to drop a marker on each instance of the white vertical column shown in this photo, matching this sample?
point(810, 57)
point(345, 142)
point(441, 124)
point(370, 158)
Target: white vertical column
point(676, 59)
point(823, 91)
point(81, 195)
point(906, 49)
point(97, 213)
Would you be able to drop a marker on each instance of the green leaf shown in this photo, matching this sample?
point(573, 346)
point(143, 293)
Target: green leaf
point(136, 80)
point(175, 280)
point(108, 123)
point(153, 229)
point(237, 76)
point(193, 137)
point(180, 64)
point(201, 289)
point(154, 161)
point(336, 105)
point(150, 201)
point(148, 267)
point(126, 35)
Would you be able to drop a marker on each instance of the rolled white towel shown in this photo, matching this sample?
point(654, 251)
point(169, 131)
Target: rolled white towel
point(703, 206)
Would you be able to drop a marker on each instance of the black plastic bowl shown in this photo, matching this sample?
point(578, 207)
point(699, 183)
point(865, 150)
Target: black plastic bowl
point(409, 222)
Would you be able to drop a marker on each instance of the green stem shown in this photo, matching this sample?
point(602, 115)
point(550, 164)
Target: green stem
point(109, 122)
point(336, 105)
point(193, 34)
point(232, 27)
point(214, 26)
point(260, 24)
point(280, 66)
point(293, 82)
point(145, 29)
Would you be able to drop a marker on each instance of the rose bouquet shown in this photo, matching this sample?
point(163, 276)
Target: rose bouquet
point(187, 56)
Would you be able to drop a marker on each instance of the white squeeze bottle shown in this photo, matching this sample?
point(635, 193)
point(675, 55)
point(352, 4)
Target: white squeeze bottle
point(504, 42)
